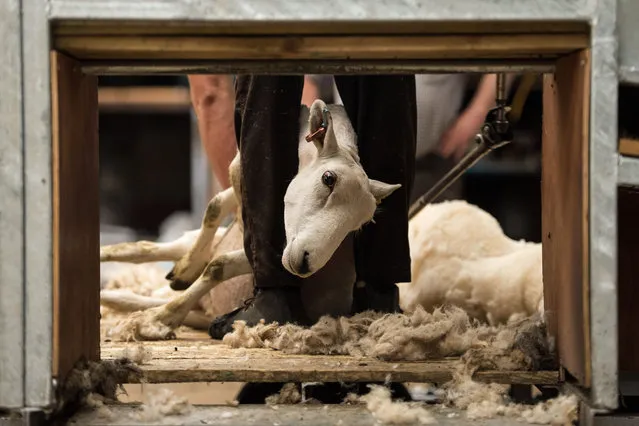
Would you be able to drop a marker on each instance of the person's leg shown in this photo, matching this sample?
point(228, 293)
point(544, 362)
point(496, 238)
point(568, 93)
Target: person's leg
point(383, 112)
point(269, 135)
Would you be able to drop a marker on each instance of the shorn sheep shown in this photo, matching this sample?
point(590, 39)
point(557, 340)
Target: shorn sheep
point(459, 253)
point(461, 257)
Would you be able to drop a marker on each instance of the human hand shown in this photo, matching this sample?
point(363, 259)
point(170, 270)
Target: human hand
point(459, 135)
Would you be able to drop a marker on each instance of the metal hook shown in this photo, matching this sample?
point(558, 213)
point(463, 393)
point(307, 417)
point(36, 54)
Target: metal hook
point(494, 133)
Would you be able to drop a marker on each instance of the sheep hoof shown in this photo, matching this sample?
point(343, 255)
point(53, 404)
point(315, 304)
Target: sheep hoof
point(179, 285)
point(151, 324)
point(186, 271)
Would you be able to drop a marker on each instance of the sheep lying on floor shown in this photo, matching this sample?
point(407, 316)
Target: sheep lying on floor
point(460, 256)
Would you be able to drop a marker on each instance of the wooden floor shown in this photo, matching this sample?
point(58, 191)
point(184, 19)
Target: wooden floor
point(194, 357)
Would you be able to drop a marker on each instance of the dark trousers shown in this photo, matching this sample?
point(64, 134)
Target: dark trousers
point(383, 113)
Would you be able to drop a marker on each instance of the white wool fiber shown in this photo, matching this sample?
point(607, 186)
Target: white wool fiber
point(378, 402)
point(161, 404)
point(289, 394)
point(417, 336)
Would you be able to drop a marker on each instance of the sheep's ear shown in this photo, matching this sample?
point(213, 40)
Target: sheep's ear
point(381, 190)
point(319, 115)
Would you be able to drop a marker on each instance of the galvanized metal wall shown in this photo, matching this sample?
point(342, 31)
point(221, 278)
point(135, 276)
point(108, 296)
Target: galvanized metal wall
point(38, 205)
point(603, 206)
point(25, 151)
point(25, 206)
point(627, 18)
point(11, 208)
point(327, 10)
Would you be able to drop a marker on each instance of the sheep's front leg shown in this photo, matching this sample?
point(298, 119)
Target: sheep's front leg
point(148, 251)
point(158, 323)
point(191, 265)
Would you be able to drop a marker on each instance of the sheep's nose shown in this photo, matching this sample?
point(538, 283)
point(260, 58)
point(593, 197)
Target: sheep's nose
point(304, 268)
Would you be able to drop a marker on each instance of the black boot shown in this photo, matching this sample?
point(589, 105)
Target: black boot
point(281, 304)
point(375, 297)
point(335, 393)
point(322, 393)
point(256, 393)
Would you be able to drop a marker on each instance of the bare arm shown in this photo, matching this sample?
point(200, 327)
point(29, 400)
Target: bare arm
point(484, 98)
point(213, 99)
point(310, 92)
point(455, 140)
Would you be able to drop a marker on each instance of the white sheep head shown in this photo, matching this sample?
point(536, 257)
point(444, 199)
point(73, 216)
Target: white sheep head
point(330, 196)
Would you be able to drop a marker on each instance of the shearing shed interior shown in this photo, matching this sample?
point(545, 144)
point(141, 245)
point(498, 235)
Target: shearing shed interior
point(135, 226)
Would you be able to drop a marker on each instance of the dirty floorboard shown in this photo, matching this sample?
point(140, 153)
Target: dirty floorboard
point(194, 357)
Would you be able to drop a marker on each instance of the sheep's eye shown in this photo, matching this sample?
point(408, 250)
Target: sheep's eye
point(329, 179)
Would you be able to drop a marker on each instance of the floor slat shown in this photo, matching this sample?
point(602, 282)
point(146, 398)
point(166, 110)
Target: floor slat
point(206, 360)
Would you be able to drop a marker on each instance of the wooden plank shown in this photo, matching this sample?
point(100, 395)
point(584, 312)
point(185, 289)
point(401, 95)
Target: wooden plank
point(565, 211)
point(629, 147)
point(320, 66)
point(76, 239)
point(321, 47)
point(180, 361)
point(628, 279)
point(144, 98)
point(97, 27)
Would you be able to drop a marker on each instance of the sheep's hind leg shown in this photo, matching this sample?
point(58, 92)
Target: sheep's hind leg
point(127, 301)
point(148, 251)
point(158, 323)
point(191, 265)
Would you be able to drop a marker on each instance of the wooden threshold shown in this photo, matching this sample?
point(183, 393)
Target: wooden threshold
point(330, 47)
point(194, 359)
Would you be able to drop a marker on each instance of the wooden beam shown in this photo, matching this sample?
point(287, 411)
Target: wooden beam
point(565, 211)
point(97, 27)
point(290, 47)
point(629, 147)
point(144, 98)
point(205, 360)
point(76, 239)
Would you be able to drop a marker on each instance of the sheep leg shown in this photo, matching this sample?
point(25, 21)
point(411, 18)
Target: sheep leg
point(191, 265)
point(159, 322)
point(148, 251)
point(127, 301)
